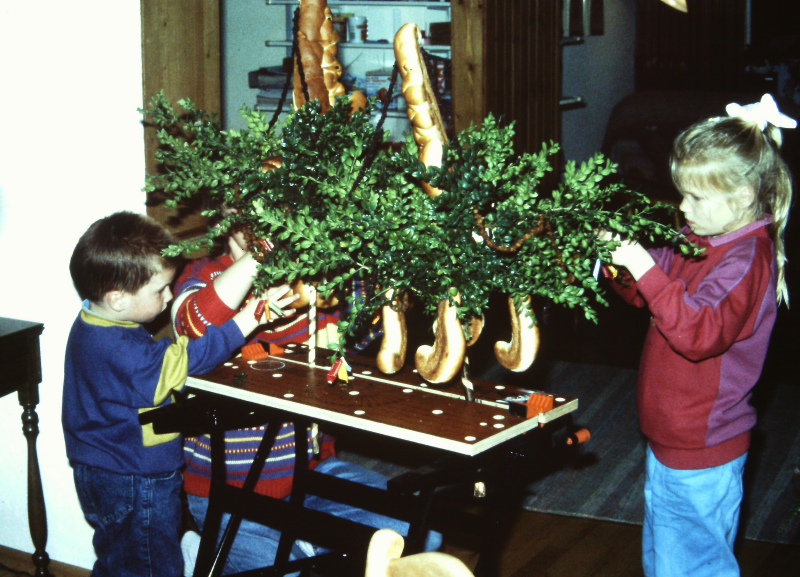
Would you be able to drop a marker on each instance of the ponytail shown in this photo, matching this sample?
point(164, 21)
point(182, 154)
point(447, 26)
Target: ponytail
point(778, 204)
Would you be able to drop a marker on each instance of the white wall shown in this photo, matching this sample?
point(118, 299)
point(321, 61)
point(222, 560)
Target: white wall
point(71, 151)
point(600, 71)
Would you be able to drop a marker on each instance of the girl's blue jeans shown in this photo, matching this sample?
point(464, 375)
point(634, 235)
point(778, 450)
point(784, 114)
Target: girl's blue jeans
point(136, 520)
point(690, 519)
point(255, 545)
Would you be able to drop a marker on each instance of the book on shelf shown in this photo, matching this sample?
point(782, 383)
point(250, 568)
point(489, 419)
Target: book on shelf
point(273, 92)
point(267, 78)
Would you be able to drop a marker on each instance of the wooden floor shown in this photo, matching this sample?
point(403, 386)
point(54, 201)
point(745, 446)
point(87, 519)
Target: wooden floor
point(15, 563)
point(542, 545)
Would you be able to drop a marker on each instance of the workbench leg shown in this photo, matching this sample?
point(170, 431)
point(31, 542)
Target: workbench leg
point(37, 516)
point(211, 560)
point(204, 565)
point(298, 495)
point(418, 528)
point(507, 491)
point(496, 518)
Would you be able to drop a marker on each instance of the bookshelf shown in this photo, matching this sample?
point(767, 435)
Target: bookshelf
point(359, 59)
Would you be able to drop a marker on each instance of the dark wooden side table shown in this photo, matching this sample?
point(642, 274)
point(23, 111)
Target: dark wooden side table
point(21, 371)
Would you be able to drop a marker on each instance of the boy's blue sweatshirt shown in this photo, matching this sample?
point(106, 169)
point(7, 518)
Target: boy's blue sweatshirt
point(113, 371)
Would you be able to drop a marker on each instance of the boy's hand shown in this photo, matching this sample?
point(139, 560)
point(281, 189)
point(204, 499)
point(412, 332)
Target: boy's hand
point(629, 254)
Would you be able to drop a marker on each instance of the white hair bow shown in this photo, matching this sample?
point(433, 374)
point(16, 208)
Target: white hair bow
point(762, 113)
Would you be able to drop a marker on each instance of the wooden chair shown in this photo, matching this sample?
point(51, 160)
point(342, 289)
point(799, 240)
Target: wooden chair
point(383, 560)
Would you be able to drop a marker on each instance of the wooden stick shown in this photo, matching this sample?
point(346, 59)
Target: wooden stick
point(312, 324)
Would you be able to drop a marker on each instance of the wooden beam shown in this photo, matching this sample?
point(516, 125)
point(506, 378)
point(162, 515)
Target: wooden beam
point(468, 41)
point(181, 56)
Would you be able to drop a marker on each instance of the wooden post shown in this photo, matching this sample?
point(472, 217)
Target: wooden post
point(181, 56)
point(469, 85)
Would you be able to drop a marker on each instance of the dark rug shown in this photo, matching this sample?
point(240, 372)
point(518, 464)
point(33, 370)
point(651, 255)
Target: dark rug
point(606, 479)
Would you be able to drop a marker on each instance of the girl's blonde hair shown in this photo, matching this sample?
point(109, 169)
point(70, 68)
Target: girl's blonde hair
point(727, 154)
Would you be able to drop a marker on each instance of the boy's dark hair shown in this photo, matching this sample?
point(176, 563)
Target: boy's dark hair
point(119, 252)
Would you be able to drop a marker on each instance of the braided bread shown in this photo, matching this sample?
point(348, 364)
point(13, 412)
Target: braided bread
point(316, 42)
point(423, 112)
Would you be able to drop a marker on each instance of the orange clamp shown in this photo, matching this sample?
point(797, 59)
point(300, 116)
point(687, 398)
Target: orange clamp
point(539, 403)
point(578, 437)
point(254, 352)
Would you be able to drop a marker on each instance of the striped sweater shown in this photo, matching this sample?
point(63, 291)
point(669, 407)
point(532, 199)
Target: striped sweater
point(205, 308)
point(202, 309)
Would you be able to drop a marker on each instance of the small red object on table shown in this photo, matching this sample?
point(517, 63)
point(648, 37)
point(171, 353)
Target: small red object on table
point(254, 352)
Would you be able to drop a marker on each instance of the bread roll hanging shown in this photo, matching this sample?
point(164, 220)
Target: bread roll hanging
point(441, 362)
point(392, 354)
point(518, 354)
point(317, 44)
point(423, 112)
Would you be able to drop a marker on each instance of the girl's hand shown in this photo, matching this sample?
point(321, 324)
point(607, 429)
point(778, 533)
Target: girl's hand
point(249, 317)
point(629, 254)
point(276, 297)
point(237, 246)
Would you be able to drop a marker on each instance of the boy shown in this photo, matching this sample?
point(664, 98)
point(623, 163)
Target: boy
point(128, 479)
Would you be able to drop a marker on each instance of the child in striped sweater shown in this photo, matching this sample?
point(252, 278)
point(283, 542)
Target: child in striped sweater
point(208, 293)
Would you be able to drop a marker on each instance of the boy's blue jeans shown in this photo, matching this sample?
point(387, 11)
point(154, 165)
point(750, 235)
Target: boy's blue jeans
point(690, 519)
point(255, 545)
point(136, 520)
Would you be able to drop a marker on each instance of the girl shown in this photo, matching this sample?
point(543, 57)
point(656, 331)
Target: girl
point(711, 321)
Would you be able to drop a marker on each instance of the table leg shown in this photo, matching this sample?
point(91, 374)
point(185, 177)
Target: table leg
point(208, 562)
point(298, 495)
point(508, 480)
point(204, 564)
point(418, 529)
point(496, 519)
point(37, 516)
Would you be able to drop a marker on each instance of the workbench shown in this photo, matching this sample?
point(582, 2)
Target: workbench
point(479, 442)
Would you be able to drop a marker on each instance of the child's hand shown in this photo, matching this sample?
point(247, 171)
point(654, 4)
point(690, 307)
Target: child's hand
point(237, 246)
point(250, 316)
point(261, 309)
point(629, 254)
point(278, 300)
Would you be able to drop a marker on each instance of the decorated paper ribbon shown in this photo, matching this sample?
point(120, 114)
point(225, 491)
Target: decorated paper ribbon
point(339, 371)
point(260, 308)
point(261, 247)
point(762, 113)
